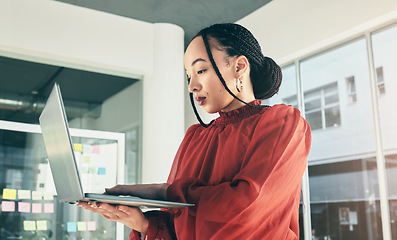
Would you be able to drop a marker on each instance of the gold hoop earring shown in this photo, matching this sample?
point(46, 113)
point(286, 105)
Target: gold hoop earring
point(239, 85)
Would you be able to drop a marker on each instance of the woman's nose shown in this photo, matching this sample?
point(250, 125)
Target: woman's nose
point(194, 85)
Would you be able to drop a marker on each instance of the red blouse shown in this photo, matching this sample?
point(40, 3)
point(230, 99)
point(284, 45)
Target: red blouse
point(243, 173)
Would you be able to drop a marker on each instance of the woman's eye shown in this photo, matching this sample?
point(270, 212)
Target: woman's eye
point(201, 71)
point(188, 79)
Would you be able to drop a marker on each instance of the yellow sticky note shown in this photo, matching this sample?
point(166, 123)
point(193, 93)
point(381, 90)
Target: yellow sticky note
point(23, 194)
point(48, 196)
point(78, 147)
point(87, 159)
point(81, 226)
point(37, 195)
point(42, 225)
point(9, 194)
point(29, 225)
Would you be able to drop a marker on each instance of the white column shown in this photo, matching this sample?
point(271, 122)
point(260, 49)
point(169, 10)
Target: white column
point(163, 103)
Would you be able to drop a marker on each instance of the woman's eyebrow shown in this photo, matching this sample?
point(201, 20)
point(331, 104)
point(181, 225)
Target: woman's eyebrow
point(198, 60)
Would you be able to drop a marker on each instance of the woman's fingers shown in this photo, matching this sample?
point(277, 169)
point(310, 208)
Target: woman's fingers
point(120, 190)
point(128, 211)
point(109, 211)
point(152, 191)
point(129, 216)
point(106, 210)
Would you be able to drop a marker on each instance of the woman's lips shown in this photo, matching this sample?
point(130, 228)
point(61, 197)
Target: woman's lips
point(200, 100)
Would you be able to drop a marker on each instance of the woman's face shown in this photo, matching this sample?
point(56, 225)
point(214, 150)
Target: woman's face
point(205, 85)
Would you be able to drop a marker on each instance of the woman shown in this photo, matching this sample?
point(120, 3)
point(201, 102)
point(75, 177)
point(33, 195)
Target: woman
point(242, 171)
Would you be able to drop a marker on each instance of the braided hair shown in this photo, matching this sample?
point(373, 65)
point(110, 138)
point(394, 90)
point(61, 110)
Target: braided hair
point(236, 40)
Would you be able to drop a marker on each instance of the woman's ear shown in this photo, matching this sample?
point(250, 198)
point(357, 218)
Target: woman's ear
point(241, 66)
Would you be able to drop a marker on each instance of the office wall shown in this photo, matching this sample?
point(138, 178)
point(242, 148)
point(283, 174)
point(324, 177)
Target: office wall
point(60, 34)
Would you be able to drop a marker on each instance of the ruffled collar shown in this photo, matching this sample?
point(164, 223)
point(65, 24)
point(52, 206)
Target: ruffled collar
point(237, 115)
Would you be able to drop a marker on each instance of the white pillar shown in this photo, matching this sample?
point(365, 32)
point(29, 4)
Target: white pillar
point(163, 103)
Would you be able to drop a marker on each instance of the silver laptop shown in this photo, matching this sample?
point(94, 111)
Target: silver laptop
point(59, 146)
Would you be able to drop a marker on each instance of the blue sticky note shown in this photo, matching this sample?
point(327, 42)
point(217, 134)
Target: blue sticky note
point(72, 226)
point(101, 171)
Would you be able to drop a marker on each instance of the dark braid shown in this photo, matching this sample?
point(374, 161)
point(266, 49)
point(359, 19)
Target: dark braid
point(236, 40)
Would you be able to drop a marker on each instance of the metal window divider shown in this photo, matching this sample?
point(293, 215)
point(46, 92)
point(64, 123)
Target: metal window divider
point(380, 157)
point(307, 223)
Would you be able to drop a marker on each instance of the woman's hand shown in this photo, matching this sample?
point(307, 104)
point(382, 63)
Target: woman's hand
point(132, 217)
point(151, 191)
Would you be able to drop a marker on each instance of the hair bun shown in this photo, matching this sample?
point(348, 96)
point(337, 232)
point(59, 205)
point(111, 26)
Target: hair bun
point(267, 80)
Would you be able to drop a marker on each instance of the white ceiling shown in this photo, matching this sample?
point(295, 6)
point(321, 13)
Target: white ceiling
point(191, 15)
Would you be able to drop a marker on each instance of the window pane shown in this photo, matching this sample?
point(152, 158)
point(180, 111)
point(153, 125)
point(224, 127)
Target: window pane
point(331, 95)
point(343, 181)
point(315, 120)
point(351, 89)
point(385, 58)
point(332, 117)
point(345, 200)
point(313, 100)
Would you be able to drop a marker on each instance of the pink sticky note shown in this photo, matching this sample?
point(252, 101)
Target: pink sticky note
point(96, 149)
point(23, 207)
point(91, 226)
point(48, 207)
point(7, 206)
point(37, 207)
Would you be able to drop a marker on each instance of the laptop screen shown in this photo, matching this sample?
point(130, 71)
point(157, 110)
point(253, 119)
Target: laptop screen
point(58, 143)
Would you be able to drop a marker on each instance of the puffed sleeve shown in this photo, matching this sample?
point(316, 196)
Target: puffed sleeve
point(261, 201)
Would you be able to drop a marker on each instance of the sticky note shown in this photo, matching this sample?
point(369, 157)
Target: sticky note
point(48, 207)
point(96, 149)
point(92, 170)
point(87, 159)
point(24, 194)
point(83, 169)
point(37, 195)
point(81, 226)
point(87, 148)
point(8, 206)
point(29, 225)
point(37, 207)
point(101, 171)
point(42, 225)
point(48, 196)
point(78, 147)
point(23, 207)
point(72, 227)
point(9, 194)
point(91, 226)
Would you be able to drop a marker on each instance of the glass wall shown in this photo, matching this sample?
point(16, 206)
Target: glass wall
point(337, 103)
point(94, 101)
point(344, 195)
point(29, 205)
